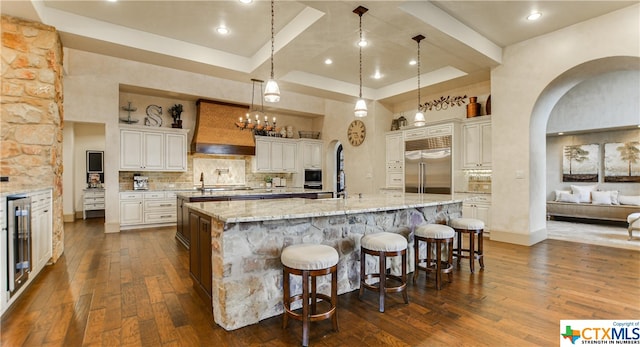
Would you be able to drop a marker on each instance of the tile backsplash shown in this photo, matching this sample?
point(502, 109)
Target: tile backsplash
point(225, 170)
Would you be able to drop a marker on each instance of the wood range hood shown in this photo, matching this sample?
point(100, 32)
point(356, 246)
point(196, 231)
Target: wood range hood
point(216, 131)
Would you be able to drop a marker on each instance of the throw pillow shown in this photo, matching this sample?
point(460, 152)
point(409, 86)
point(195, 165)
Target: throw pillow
point(584, 192)
point(614, 197)
point(558, 192)
point(601, 198)
point(629, 200)
point(568, 197)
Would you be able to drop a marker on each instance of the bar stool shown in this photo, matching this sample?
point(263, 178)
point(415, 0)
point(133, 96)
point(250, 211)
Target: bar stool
point(474, 228)
point(437, 235)
point(309, 261)
point(383, 245)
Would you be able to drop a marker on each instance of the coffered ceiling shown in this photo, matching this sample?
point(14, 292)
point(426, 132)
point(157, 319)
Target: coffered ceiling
point(464, 39)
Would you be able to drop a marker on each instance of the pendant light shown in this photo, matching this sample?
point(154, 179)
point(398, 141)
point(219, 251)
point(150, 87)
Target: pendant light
point(419, 119)
point(361, 107)
point(272, 91)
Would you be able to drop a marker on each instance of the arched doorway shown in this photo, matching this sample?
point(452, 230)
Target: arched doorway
point(335, 168)
point(539, 118)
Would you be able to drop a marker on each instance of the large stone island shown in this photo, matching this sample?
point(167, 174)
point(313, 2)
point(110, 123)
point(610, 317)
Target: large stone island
point(236, 263)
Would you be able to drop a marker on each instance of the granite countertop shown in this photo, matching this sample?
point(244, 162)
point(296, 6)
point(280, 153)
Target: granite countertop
point(255, 191)
point(276, 209)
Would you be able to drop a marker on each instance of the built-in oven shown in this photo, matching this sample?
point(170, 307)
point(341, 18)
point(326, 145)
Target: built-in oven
point(313, 178)
point(18, 241)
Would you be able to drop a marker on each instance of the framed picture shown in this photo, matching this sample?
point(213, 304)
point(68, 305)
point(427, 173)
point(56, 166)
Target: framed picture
point(580, 163)
point(622, 162)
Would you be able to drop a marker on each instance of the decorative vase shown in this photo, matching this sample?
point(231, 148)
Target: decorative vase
point(473, 109)
point(488, 105)
point(177, 124)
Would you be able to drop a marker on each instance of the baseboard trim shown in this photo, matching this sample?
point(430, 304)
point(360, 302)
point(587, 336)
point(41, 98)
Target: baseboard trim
point(528, 239)
point(68, 218)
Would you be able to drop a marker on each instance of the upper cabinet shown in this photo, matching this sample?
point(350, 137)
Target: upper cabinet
point(394, 159)
point(476, 140)
point(275, 155)
point(311, 153)
point(153, 150)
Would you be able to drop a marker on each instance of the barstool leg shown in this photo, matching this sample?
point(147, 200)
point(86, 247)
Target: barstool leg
point(438, 266)
point(450, 251)
point(313, 295)
point(362, 274)
point(459, 249)
point(383, 279)
point(285, 298)
point(404, 277)
point(480, 251)
point(334, 298)
point(428, 264)
point(416, 258)
point(472, 251)
point(305, 308)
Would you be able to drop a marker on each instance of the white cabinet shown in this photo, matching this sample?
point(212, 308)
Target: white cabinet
point(160, 207)
point(176, 152)
point(131, 209)
point(275, 155)
point(3, 259)
point(311, 154)
point(41, 229)
point(476, 142)
point(92, 200)
point(394, 159)
point(478, 207)
point(143, 209)
point(153, 150)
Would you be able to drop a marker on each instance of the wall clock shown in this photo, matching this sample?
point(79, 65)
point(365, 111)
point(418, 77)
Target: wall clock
point(356, 132)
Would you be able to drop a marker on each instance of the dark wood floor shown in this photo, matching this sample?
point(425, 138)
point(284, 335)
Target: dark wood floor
point(133, 289)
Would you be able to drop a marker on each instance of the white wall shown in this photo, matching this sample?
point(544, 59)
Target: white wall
point(524, 90)
point(68, 193)
point(609, 100)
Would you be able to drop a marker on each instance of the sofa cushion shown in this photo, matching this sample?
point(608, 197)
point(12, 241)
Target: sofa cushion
point(601, 198)
point(629, 200)
point(568, 197)
point(584, 192)
point(558, 192)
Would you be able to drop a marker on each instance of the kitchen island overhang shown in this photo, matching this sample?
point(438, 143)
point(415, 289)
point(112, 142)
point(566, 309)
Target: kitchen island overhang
point(247, 238)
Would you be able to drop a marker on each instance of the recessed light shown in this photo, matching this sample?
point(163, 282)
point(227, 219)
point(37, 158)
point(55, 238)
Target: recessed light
point(112, 0)
point(222, 30)
point(328, 61)
point(534, 16)
point(412, 62)
point(560, 133)
point(377, 75)
point(363, 43)
point(246, 1)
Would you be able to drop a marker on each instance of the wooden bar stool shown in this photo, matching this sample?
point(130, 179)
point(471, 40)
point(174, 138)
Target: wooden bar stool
point(437, 235)
point(309, 261)
point(383, 245)
point(474, 228)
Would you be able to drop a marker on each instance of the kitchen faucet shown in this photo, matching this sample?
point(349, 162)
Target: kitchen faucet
point(202, 180)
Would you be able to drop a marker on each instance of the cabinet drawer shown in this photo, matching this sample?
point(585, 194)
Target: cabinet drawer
point(160, 217)
point(130, 196)
point(88, 194)
point(160, 204)
point(440, 130)
point(88, 207)
point(415, 134)
point(154, 195)
point(171, 195)
point(93, 200)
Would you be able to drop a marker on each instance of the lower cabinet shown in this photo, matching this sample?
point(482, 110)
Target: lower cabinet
point(478, 207)
point(200, 254)
point(142, 209)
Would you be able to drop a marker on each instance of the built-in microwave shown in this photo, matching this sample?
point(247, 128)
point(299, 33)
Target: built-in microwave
point(313, 178)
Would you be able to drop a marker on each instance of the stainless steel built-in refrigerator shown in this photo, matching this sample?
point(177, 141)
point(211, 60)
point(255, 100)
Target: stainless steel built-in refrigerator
point(427, 165)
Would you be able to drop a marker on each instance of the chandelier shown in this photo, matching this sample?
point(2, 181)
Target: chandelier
point(256, 125)
point(361, 107)
point(419, 119)
point(272, 91)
